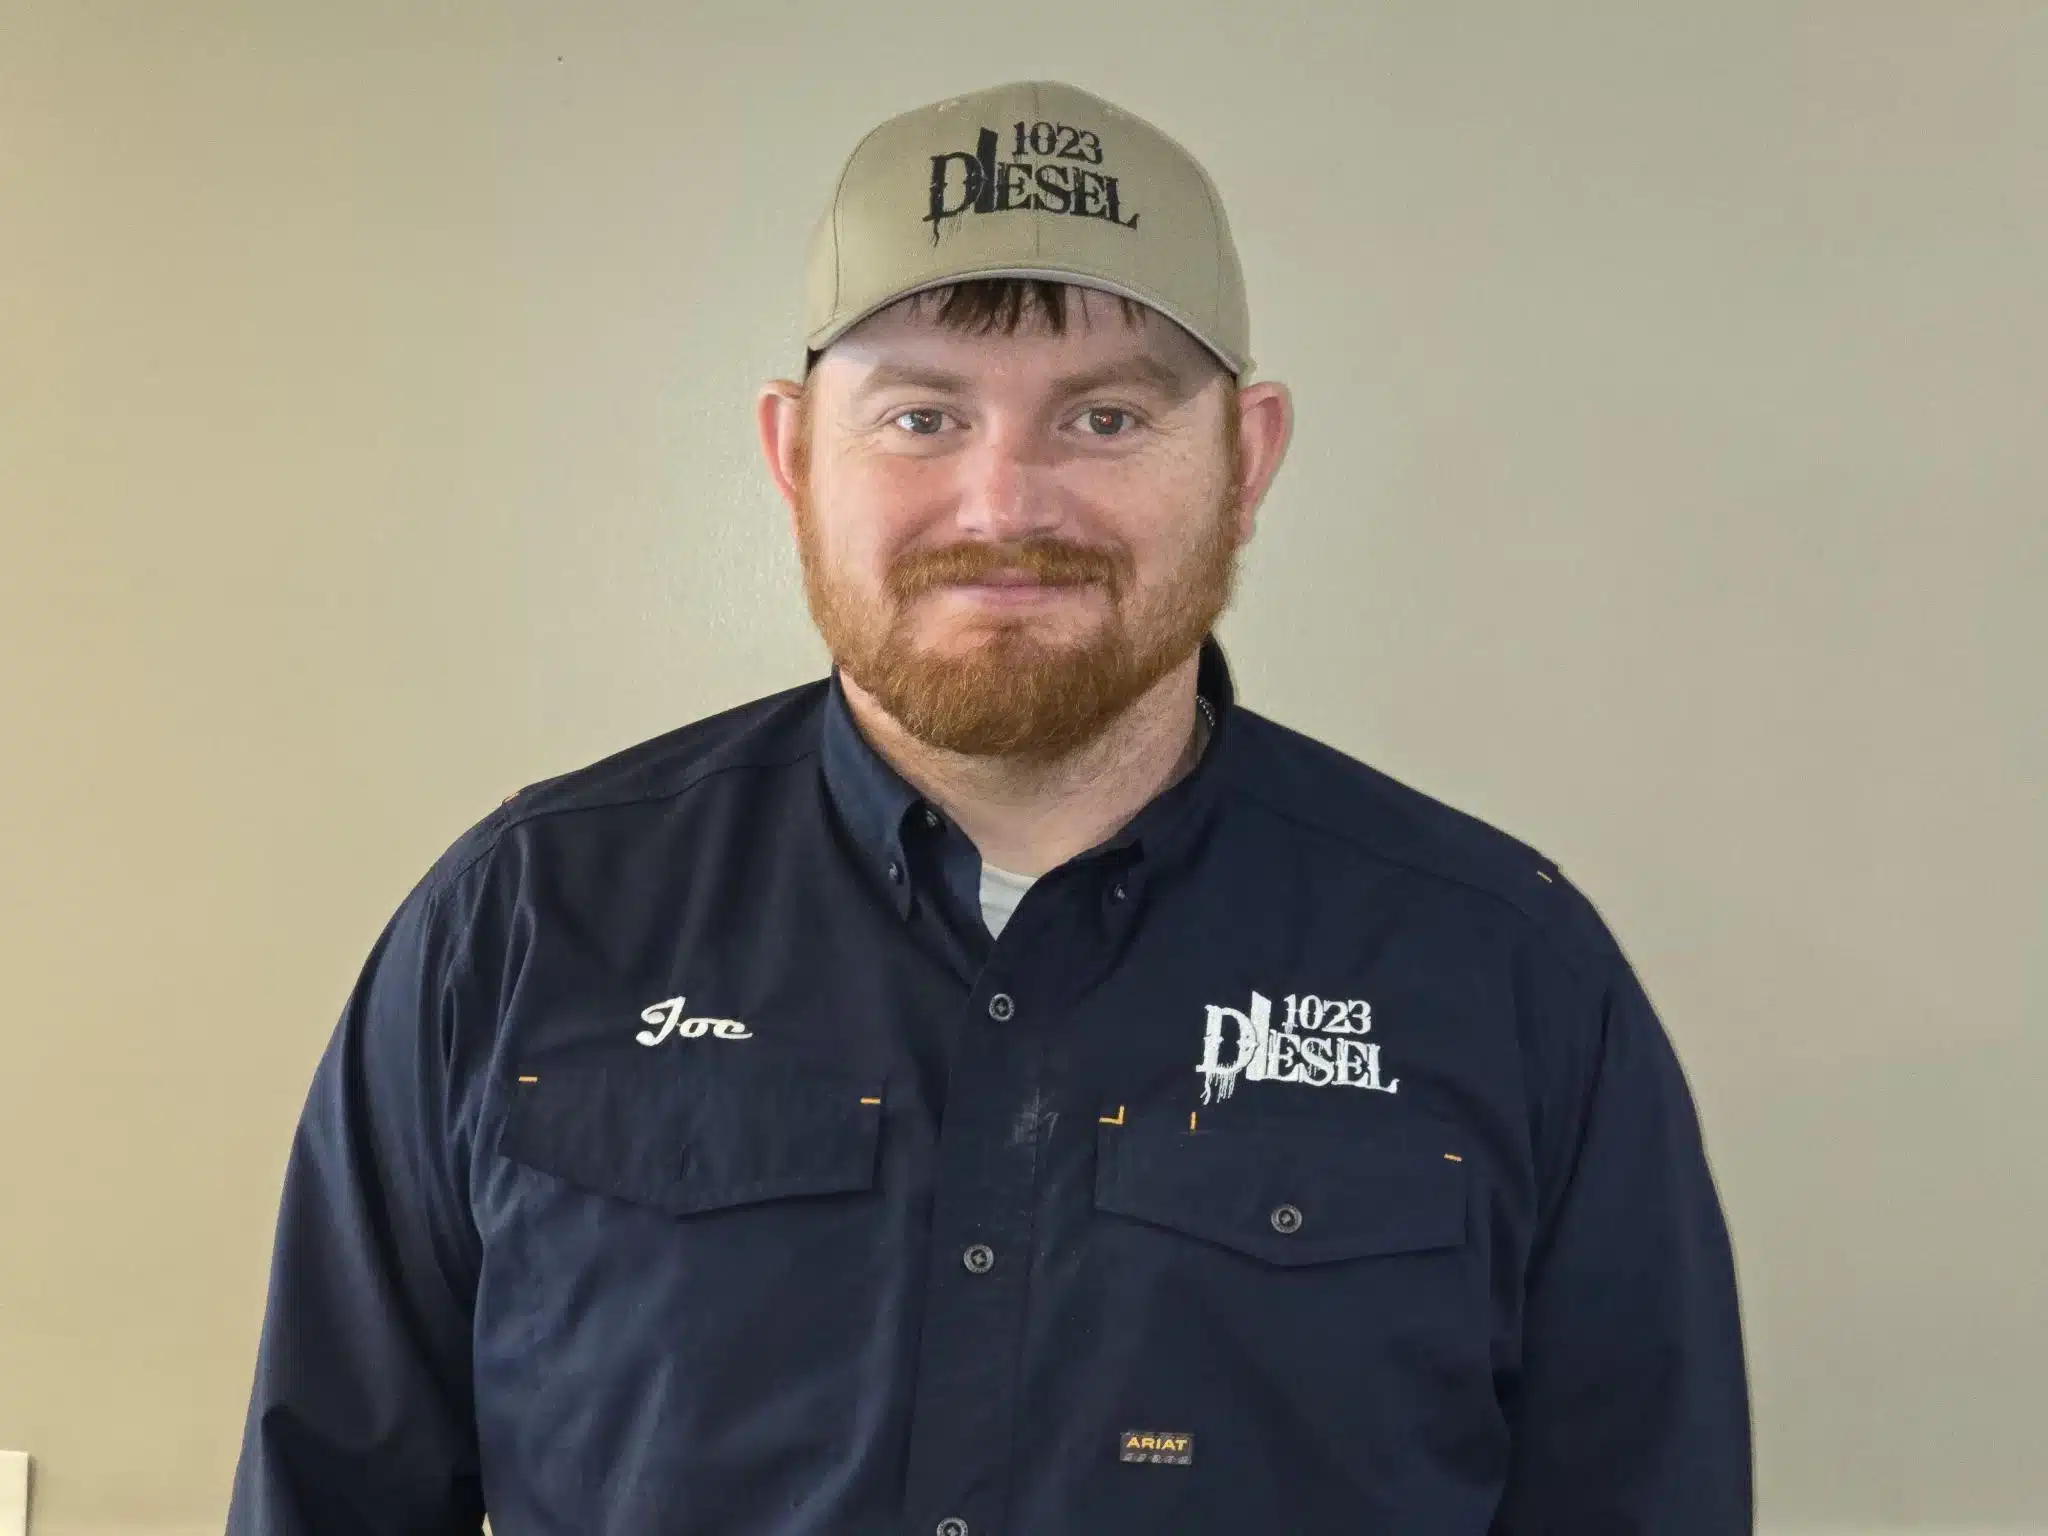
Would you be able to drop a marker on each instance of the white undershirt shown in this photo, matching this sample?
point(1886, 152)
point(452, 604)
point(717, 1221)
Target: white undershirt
point(1000, 893)
point(1001, 890)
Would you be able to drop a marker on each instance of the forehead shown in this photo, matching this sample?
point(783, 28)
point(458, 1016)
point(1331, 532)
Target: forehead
point(1097, 333)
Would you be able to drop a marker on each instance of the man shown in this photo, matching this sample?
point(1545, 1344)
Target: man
point(1005, 1087)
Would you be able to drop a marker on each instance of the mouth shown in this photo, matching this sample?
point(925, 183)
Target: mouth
point(1012, 588)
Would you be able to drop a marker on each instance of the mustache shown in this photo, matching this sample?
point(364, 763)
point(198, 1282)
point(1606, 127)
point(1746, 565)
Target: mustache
point(1051, 561)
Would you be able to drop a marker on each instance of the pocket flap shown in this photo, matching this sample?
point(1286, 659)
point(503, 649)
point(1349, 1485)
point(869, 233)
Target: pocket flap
point(1284, 1193)
point(685, 1142)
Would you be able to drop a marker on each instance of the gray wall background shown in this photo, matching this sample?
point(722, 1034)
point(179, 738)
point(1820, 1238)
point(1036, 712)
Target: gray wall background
point(1669, 489)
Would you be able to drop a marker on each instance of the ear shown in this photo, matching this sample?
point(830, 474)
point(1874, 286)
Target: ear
point(1265, 426)
point(775, 420)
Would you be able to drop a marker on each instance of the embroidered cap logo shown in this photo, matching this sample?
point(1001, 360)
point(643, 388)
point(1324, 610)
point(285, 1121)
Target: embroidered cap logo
point(1051, 170)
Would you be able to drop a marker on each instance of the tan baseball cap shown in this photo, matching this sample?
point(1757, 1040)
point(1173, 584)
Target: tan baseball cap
point(1032, 179)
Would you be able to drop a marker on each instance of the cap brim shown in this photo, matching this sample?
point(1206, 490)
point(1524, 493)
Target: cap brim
point(819, 340)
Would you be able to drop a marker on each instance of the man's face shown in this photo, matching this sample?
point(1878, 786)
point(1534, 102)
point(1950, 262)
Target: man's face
point(1006, 540)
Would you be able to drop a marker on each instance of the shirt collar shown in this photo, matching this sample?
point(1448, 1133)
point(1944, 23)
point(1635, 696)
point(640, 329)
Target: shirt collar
point(874, 800)
point(1174, 818)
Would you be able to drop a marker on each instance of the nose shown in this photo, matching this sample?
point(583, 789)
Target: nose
point(1007, 494)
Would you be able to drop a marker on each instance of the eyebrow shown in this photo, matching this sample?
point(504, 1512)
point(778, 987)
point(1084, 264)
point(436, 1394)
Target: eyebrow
point(1144, 371)
point(909, 376)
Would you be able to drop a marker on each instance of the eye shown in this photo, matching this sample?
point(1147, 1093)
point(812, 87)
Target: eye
point(923, 422)
point(1106, 421)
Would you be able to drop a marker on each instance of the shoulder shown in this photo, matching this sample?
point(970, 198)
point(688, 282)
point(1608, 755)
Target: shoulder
point(751, 739)
point(1328, 794)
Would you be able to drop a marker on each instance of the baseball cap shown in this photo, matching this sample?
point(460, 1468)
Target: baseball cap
point(1031, 179)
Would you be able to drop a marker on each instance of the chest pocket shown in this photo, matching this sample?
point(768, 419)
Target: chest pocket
point(1284, 1193)
point(688, 1141)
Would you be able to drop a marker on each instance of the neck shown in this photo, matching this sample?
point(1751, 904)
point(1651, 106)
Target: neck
point(1029, 816)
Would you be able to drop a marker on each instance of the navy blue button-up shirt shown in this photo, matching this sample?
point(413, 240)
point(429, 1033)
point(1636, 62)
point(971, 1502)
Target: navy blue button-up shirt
point(1305, 1158)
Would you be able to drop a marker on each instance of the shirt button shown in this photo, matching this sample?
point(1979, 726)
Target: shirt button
point(1001, 1007)
point(1117, 891)
point(979, 1258)
point(952, 1525)
point(895, 872)
point(1286, 1218)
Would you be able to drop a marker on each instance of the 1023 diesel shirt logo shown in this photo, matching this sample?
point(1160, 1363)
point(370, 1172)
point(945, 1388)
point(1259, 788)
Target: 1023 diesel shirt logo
point(1316, 1044)
point(1050, 172)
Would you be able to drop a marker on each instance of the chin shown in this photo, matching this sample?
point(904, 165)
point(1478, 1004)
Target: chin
point(1038, 637)
point(1075, 612)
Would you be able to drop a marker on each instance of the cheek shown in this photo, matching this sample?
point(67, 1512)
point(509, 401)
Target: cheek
point(1161, 512)
point(905, 492)
point(865, 512)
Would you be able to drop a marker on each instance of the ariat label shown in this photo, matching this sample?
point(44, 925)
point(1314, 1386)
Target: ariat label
point(1167, 1447)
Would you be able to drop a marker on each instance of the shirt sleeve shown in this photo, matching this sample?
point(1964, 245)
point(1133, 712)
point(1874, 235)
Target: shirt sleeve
point(361, 1416)
point(1630, 1413)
